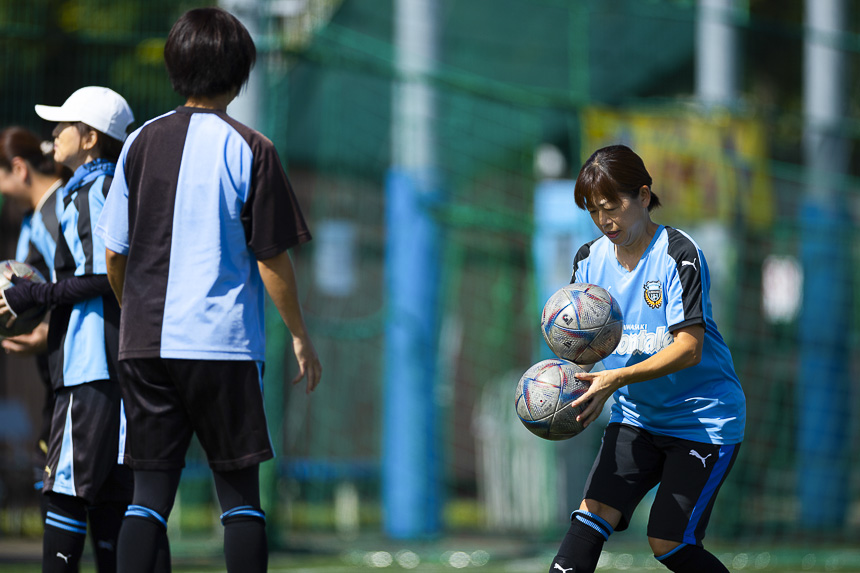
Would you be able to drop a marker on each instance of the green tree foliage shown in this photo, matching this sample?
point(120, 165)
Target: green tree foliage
point(49, 48)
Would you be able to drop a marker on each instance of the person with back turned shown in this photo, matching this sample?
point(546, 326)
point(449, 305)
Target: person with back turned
point(198, 225)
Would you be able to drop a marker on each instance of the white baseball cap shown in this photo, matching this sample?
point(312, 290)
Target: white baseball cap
point(101, 108)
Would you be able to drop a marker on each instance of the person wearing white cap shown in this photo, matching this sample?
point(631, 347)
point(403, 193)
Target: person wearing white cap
point(99, 115)
point(84, 480)
point(101, 108)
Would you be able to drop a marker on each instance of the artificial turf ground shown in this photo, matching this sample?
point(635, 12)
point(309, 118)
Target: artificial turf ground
point(481, 555)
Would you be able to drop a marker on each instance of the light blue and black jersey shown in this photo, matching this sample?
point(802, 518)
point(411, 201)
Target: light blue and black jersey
point(668, 289)
point(83, 336)
point(197, 200)
point(37, 241)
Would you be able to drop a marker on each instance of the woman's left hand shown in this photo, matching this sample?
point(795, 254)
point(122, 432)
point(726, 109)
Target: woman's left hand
point(35, 342)
point(601, 386)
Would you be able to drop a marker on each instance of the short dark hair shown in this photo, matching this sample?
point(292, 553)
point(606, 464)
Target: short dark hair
point(208, 52)
point(610, 172)
point(107, 147)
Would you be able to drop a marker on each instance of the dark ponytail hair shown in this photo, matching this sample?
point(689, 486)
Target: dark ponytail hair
point(610, 172)
point(20, 142)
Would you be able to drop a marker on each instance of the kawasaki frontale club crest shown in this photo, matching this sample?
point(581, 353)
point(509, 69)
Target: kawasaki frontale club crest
point(654, 294)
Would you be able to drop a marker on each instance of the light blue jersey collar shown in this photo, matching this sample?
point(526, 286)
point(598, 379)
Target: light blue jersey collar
point(89, 172)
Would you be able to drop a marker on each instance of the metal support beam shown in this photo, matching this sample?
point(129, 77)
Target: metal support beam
point(716, 52)
point(823, 383)
point(411, 467)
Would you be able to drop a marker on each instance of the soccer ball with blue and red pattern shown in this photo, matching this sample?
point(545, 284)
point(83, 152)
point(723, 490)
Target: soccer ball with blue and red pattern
point(26, 321)
point(543, 398)
point(582, 323)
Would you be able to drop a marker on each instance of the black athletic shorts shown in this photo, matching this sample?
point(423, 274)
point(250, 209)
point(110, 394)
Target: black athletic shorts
point(168, 400)
point(632, 461)
point(86, 443)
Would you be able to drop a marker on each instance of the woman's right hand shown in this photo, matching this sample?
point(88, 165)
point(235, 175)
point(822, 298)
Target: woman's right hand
point(601, 386)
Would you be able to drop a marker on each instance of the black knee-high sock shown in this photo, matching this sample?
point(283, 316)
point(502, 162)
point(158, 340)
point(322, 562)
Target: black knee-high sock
point(143, 546)
point(245, 543)
point(105, 521)
point(65, 534)
point(691, 559)
point(580, 549)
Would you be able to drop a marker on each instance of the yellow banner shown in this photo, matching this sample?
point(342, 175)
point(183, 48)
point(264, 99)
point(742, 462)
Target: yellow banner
point(703, 167)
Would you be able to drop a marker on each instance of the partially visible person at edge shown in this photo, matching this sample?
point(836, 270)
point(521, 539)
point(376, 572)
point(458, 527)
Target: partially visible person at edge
point(679, 412)
point(30, 177)
point(84, 480)
point(198, 225)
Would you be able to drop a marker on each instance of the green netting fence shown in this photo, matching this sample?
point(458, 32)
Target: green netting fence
point(516, 83)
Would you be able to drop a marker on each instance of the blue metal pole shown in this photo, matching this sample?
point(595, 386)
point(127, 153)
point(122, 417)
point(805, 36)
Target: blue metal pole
point(823, 385)
point(411, 466)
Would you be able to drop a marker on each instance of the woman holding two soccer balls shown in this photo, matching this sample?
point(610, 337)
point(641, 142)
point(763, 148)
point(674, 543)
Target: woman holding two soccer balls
point(679, 411)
